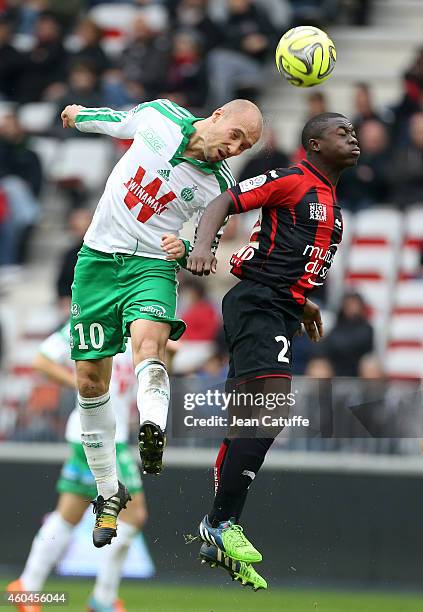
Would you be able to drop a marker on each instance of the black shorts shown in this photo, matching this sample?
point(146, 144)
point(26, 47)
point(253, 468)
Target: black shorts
point(258, 332)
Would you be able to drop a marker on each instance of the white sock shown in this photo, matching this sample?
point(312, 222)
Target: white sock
point(47, 547)
point(98, 425)
point(153, 391)
point(110, 566)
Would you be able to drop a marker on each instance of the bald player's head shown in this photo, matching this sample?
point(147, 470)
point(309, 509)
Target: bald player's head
point(249, 110)
point(231, 129)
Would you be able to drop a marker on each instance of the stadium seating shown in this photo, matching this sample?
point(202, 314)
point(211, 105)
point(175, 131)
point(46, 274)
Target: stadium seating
point(373, 262)
point(87, 161)
point(47, 149)
point(114, 19)
point(378, 226)
point(413, 242)
point(404, 363)
point(37, 117)
point(409, 297)
point(337, 271)
point(406, 330)
point(404, 357)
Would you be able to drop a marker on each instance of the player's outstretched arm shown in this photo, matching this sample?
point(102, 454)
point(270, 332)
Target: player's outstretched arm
point(202, 260)
point(55, 371)
point(119, 124)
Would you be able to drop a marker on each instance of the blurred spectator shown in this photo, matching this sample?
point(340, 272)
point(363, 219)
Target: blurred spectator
point(316, 103)
point(367, 183)
point(67, 11)
point(192, 15)
point(202, 319)
point(78, 223)
point(82, 88)
point(413, 86)
point(278, 11)
point(203, 324)
point(11, 62)
point(27, 14)
point(215, 369)
point(88, 35)
point(370, 368)
point(45, 64)
point(20, 186)
point(237, 69)
point(316, 12)
point(406, 170)
point(319, 367)
point(303, 351)
point(144, 62)
point(187, 82)
point(364, 108)
point(358, 11)
point(350, 338)
point(270, 156)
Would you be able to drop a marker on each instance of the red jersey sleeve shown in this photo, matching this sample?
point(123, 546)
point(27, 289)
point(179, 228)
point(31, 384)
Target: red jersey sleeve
point(275, 188)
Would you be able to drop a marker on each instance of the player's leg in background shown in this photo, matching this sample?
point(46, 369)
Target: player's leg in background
point(98, 423)
point(149, 340)
point(51, 541)
point(131, 522)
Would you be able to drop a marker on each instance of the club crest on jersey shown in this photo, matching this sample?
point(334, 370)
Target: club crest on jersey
point(252, 183)
point(187, 193)
point(317, 211)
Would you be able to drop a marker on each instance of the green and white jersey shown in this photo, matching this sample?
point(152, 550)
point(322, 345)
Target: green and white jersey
point(153, 189)
point(122, 383)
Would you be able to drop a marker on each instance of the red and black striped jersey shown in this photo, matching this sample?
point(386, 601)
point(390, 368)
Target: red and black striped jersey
point(296, 236)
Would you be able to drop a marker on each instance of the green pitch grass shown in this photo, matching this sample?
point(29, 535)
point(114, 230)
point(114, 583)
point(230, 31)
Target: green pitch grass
point(154, 596)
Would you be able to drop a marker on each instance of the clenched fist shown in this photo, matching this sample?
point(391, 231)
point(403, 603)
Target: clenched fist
point(69, 114)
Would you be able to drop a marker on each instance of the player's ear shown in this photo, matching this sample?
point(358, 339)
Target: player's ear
point(314, 144)
point(217, 114)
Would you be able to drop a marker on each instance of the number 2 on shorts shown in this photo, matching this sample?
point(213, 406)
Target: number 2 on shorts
point(96, 334)
point(285, 348)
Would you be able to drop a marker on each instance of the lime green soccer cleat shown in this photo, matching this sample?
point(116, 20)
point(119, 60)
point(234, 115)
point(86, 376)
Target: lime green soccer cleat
point(230, 539)
point(238, 570)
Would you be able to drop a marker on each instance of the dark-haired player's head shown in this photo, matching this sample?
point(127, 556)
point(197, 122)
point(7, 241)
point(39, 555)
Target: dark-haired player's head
point(331, 139)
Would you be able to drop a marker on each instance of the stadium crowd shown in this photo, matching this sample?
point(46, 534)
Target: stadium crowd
point(199, 54)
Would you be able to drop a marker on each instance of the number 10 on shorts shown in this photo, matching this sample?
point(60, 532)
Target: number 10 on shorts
point(95, 333)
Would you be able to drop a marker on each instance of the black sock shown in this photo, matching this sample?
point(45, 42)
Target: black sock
point(242, 461)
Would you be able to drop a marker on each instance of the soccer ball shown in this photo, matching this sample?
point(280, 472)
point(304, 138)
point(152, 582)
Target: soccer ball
point(305, 56)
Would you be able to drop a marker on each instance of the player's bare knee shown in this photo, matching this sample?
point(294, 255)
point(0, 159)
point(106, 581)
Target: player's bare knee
point(90, 379)
point(91, 387)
